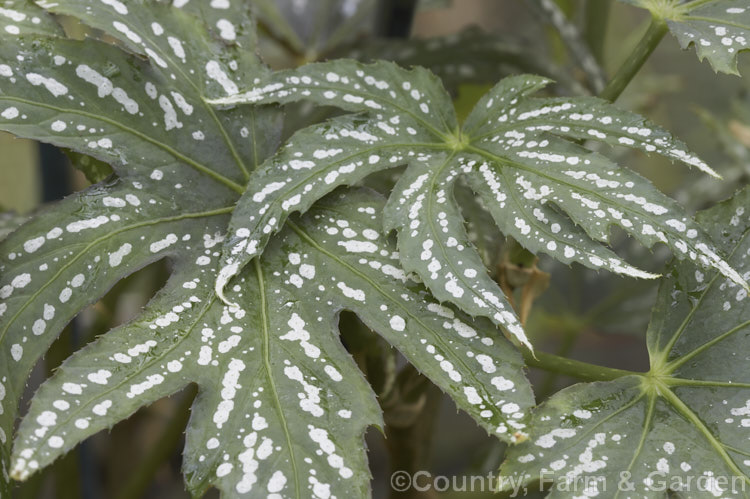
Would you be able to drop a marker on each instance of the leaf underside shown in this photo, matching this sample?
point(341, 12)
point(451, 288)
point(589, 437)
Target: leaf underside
point(687, 419)
point(518, 153)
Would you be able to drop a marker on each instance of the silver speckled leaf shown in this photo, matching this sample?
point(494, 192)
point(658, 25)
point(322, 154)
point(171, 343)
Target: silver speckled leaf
point(518, 153)
point(684, 424)
point(718, 29)
point(281, 407)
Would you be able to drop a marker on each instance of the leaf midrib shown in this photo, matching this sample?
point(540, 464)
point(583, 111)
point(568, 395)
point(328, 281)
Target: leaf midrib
point(170, 150)
point(683, 409)
point(207, 107)
point(431, 220)
point(269, 373)
point(82, 252)
point(373, 112)
point(717, 21)
point(540, 227)
point(439, 339)
point(502, 159)
point(558, 122)
point(644, 435)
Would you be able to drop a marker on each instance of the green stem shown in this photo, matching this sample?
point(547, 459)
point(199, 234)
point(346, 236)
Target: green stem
point(547, 387)
point(656, 31)
point(574, 368)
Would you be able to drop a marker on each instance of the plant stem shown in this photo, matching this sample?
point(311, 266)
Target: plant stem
point(574, 368)
point(655, 32)
point(547, 387)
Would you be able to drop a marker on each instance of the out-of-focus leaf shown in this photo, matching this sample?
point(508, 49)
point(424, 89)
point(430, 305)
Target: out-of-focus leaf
point(314, 28)
point(93, 169)
point(551, 12)
point(718, 29)
point(470, 56)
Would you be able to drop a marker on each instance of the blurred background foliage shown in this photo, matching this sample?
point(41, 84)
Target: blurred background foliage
point(594, 317)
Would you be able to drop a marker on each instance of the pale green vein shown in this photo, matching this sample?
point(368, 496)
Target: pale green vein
point(705, 383)
point(173, 152)
point(646, 429)
point(439, 241)
point(688, 413)
point(681, 360)
point(270, 376)
point(664, 352)
point(399, 304)
point(33, 297)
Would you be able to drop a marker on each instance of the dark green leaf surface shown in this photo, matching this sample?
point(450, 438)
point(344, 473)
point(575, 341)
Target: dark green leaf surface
point(687, 418)
point(282, 408)
point(22, 17)
point(471, 56)
point(518, 153)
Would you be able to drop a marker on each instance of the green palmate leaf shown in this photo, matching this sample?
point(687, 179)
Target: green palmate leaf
point(718, 29)
point(314, 28)
point(21, 17)
point(180, 163)
point(274, 414)
point(683, 424)
point(519, 154)
point(281, 407)
point(471, 56)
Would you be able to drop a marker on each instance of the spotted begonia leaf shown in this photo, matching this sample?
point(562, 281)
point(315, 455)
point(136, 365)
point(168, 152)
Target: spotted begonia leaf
point(683, 424)
point(718, 29)
point(520, 154)
point(281, 407)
